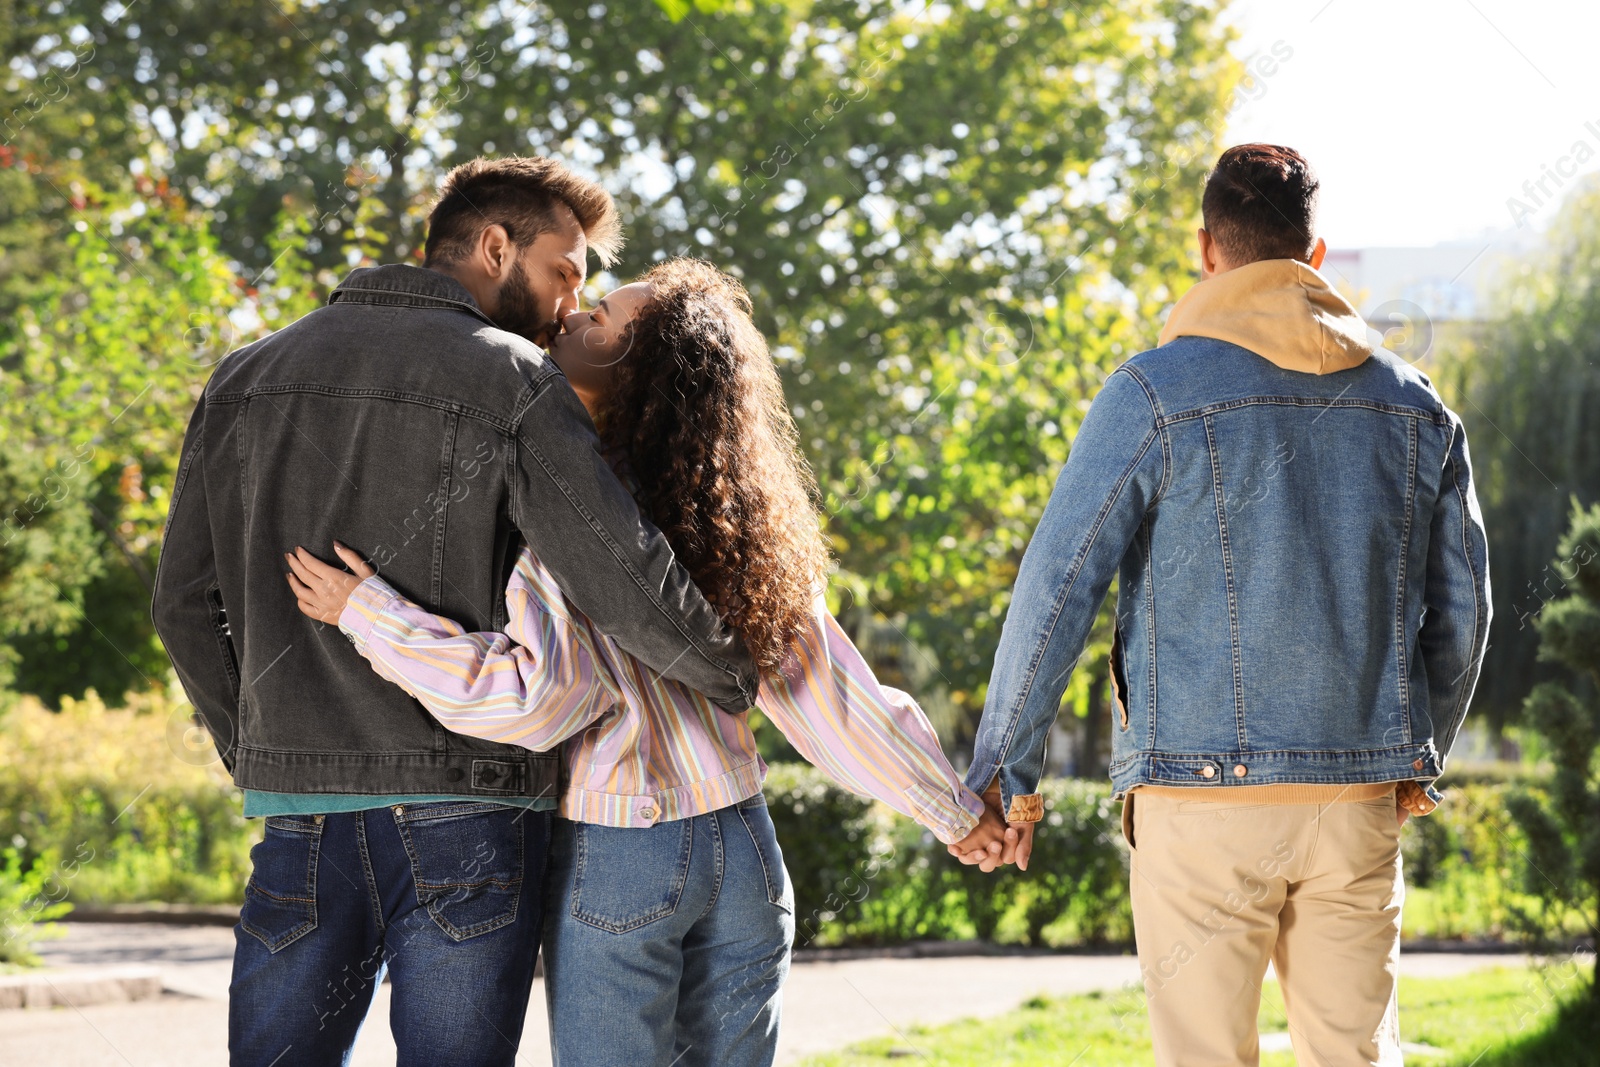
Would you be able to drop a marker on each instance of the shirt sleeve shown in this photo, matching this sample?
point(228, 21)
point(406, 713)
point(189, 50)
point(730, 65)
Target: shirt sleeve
point(613, 563)
point(870, 738)
point(535, 685)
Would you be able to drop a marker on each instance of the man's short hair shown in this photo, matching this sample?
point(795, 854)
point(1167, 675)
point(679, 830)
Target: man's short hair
point(1261, 203)
point(523, 194)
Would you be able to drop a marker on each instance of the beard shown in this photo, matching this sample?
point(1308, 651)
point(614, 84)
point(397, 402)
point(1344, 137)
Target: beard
point(519, 309)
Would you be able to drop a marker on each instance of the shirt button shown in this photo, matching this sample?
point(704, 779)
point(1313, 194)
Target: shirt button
point(1208, 771)
point(1239, 770)
point(647, 813)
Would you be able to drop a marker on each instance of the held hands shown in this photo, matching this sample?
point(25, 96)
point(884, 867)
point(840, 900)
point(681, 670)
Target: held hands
point(323, 589)
point(984, 845)
point(995, 843)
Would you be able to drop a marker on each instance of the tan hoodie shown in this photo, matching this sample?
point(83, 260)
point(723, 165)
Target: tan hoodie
point(1280, 309)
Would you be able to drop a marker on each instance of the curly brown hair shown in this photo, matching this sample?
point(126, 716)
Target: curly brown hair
point(697, 410)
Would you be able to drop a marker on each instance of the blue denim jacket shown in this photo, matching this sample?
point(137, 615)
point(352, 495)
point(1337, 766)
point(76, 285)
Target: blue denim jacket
point(1304, 592)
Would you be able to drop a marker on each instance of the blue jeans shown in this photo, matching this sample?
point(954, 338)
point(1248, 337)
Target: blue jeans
point(446, 897)
point(668, 945)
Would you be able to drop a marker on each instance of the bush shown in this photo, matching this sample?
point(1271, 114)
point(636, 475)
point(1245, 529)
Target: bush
point(134, 797)
point(27, 904)
point(1558, 820)
point(1463, 868)
point(865, 876)
point(827, 836)
point(130, 805)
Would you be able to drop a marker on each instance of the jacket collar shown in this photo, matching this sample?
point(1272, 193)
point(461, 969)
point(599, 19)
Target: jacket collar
point(1280, 309)
point(405, 285)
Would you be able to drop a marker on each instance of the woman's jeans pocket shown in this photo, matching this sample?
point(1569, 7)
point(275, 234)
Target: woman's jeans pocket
point(467, 862)
point(764, 836)
point(280, 900)
point(624, 879)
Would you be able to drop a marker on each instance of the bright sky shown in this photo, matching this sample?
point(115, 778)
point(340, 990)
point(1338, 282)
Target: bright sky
point(1424, 117)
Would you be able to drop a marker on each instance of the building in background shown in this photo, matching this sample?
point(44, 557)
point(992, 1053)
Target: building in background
point(1416, 297)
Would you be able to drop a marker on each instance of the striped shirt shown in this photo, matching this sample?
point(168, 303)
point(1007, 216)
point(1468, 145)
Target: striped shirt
point(641, 748)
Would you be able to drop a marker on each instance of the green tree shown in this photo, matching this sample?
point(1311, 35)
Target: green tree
point(1562, 823)
point(96, 385)
point(1529, 393)
point(954, 220)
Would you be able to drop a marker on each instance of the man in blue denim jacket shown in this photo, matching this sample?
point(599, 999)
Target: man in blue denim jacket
point(1302, 610)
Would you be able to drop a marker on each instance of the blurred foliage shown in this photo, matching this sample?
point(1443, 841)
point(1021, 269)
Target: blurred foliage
point(1075, 890)
point(865, 876)
point(130, 805)
point(27, 904)
point(1562, 821)
point(1528, 390)
point(100, 368)
point(134, 798)
point(948, 256)
point(1465, 867)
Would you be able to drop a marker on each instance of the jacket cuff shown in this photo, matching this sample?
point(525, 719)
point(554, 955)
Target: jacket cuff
point(1419, 798)
point(367, 602)
point(1026, 807)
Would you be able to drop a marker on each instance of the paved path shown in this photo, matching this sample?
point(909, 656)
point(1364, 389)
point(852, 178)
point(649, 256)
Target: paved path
point(826, 1005)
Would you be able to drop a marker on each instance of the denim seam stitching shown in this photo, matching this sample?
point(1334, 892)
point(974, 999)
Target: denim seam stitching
point(1362, 755)
point(1402, 660)
point(374, 897)
point(1459, 711)
point(661, 911)
point(434, 303)
point(442, 505)
point(1150, 625)
point(773, 893)
point(181, 480)
point(291, 388)
point(241, 422)
point(435, 912)
point(304, 928)
point(472, 805)
point(1061, 598)
point(718, 859)
point(1227, 571)
point(1160, 425)
point(1302, 402)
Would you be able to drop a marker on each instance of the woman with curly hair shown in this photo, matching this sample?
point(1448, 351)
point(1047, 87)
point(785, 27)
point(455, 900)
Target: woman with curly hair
point(672, 916)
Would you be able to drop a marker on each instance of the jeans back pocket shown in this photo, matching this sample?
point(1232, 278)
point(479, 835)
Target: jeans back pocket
point(627, 878)
point(764, 836)
point(280, 899)
point(467, 861)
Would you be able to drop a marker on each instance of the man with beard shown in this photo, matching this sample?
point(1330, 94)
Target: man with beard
point(391, 843)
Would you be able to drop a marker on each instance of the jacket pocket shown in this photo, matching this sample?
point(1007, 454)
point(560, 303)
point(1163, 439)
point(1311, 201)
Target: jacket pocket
point(280, 899)
point(1119, 678)
point(628, 878)
point(467, 862)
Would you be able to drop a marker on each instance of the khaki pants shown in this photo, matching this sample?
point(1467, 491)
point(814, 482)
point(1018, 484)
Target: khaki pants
point(1220, 888)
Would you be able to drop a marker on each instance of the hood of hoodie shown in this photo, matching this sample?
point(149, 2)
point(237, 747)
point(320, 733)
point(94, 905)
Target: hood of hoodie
point(1280, 309)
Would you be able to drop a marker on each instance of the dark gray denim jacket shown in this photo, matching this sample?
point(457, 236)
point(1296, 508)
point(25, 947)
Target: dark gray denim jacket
point(401, 420)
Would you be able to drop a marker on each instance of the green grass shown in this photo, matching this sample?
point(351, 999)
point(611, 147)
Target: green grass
point(1506, 1017)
